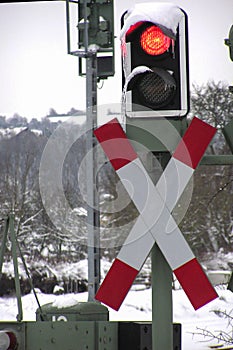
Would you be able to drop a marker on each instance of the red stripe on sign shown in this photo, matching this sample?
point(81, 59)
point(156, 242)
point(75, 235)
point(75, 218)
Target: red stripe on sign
point(194, 142)
point(195, 283)
point(116, 284)
point(115, 144)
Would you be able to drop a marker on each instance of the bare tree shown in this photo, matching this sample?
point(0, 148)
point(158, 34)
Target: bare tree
point(213, 103)
point(209, 220)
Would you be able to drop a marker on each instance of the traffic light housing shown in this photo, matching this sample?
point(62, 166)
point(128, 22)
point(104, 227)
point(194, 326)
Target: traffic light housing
point(156, 70)
point(100, 17)
point(229, 42)
point(98, 32)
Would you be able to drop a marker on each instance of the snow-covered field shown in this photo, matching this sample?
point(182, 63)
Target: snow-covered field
point(137, 306)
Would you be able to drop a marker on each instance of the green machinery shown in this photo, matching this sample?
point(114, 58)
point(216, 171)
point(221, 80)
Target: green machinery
point(83, 326)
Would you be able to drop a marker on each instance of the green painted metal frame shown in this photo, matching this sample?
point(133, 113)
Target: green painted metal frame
point(80, 335)
point(9, 229)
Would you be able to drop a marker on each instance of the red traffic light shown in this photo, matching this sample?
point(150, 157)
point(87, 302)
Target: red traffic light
point(155, 61)
point(154, 42)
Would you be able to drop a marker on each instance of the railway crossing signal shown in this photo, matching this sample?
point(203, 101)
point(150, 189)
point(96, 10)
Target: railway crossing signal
point(155, 63)
point(155, 223)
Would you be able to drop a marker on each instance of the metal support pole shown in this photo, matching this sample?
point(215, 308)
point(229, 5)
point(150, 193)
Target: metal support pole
point(10, 229)
point(3, 245)
point(228, 131)
point(230, 283)
point(162, 323)
point(16, 270)
point(162, 326)
point(92, 197)
point(93, 223)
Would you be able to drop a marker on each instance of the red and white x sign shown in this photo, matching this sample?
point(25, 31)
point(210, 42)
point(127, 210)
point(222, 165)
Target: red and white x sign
point(155, 222)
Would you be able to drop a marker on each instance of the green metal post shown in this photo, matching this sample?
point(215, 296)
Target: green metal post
point(230, 283)
point(3, 245)
point(88, 15)
point(228, 131)
point(146, 137)
point(162, 324)
point(228, 134)
point(93, 223)
point(16, 271)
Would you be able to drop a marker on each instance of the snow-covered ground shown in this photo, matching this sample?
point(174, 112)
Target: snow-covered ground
point(137, 306)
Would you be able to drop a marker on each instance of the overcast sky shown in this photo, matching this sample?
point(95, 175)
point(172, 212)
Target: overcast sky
point(36, 73)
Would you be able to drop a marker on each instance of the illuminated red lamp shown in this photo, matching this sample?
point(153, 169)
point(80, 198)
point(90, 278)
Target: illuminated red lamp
point(154, 42)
